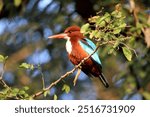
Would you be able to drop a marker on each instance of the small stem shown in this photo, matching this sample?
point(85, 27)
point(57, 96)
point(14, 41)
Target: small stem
point(1, 77)
point(43, 81)
point(42, 76)
point(76, 77)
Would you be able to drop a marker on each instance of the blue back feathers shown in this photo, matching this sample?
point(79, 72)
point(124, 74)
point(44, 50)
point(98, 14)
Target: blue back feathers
point(89, 47)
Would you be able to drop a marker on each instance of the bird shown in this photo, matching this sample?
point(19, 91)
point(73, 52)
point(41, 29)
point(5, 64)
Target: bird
point(79, 47)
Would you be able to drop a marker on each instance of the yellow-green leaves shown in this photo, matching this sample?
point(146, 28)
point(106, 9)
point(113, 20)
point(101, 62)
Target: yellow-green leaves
point(2, 58)
point(46, 93)
point(15, 93)
point(107, 28)
point(127, 53)
point(146, 95)
point(55, 97)
point(27, 66)
point(102, 21)
point(1, 5)
point(17, 2)
point(85, 28)
point(66, 88)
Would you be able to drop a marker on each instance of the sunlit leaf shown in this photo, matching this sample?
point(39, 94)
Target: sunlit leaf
point(15, 90)
point(94, 33)
point(27, 66)
point(107, 17)
point(17, 2)
point(26, 95)
point(2, 58)
point(146, 95)
point(1, 4)
point(117, 30)
point(55, 97)
point(22, 92)
point(26, 88)
point(84, 28)
point(123, 25)
point(66, 88)
point(127, 53)
point(46, 93)
point(93, 19)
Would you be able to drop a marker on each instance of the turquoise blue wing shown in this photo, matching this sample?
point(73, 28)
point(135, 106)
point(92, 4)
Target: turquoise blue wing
point(89, 47)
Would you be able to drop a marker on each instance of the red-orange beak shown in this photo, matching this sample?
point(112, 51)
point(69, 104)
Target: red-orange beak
point(58, 36)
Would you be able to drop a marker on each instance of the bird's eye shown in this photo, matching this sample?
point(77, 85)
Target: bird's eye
point(69, 31)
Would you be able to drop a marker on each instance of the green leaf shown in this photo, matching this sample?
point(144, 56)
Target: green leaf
point(45, 93)
point(26, 95)
point(26, 88)
point(85, 28)
point(22, 92)
point(127, 53)
point(94, 33)
point(111, 51)
point(146, 95)
point(55, 97)
point(15, 90)
point(123, 25)
point(101, 21)
point(116, 44)
point(117, 31)
point(107, 17)
point(2, 58)
point(17, 2)
point(27, 66)
point(66, 88)
point(1, 4)
point(93, 19)
point(24, 65)
point(116, 14)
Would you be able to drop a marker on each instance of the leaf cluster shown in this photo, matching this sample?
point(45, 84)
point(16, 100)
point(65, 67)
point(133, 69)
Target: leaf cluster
point(15, 93)
point(108, 29)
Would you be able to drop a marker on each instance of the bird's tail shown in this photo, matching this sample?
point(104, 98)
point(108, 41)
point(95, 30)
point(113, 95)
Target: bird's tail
point(103, 80)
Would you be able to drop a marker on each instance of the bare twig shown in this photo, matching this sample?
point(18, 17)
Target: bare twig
point(42, 76)
point(76, 77)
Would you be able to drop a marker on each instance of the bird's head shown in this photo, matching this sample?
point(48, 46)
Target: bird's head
point(72, 32)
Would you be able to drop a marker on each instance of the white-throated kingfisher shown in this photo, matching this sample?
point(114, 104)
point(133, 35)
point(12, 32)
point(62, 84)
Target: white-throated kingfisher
point(78, 48)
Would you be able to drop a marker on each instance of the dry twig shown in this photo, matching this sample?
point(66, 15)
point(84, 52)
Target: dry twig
point(76, 77)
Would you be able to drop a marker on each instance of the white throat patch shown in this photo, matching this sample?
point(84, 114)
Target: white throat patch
point(68, 46)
